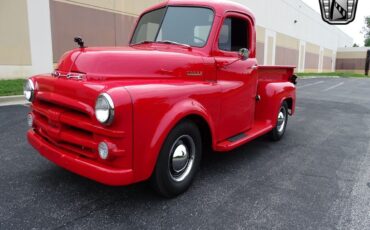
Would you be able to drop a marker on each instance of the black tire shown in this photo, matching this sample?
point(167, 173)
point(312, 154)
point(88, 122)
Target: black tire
point(279, 130)
point(186, 139)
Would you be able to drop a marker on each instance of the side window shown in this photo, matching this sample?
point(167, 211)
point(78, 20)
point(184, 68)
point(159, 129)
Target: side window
point(234, 35)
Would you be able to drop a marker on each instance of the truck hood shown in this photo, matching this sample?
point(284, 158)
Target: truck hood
point(130, 62)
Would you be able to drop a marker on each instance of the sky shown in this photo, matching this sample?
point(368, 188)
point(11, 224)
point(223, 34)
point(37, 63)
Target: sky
point(353, 29)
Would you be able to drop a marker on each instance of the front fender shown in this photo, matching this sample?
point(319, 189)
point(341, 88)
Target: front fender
point(148, 147)
point(159, 111)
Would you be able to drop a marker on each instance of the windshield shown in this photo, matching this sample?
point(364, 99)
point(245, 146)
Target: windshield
point(182, 25)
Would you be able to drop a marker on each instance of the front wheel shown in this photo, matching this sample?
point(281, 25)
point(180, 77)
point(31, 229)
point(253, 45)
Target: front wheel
point(282, 120)
point(178, 160)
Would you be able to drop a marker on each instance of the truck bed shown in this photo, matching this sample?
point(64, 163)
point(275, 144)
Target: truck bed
point(275, 73)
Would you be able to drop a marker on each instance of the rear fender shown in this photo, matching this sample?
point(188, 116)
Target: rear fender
point(272, 95)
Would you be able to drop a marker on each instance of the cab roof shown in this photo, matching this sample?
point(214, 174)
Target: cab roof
point(219, 6)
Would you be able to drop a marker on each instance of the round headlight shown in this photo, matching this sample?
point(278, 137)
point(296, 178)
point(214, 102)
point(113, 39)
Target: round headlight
point(29, 90)
point(104, 109)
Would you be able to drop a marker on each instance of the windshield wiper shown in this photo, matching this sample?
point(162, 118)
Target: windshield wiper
point(142, 42)
point(174, 43)
point(163, 42)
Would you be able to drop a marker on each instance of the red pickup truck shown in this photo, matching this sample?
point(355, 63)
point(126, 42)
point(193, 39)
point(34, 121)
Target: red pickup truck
point(187, 82)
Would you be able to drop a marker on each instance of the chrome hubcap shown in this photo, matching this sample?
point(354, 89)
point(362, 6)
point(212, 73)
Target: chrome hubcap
point(182, 157)
point(281, 120)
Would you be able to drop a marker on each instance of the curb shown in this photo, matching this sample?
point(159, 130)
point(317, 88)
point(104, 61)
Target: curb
point(316, 77)
point(12, 100)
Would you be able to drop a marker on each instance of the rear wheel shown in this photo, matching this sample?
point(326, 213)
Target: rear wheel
point(178, 160)
point(282, 120)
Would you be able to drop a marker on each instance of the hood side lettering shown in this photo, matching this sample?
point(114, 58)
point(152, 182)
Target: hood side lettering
point(194, 73)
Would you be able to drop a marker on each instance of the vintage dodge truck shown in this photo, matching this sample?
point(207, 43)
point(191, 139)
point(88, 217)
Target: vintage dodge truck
point(187, 82)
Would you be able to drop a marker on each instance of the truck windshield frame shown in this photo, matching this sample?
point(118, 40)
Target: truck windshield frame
point(186, 25)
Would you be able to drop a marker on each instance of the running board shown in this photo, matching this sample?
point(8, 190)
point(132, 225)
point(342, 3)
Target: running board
point(237, 137)
point(259, 129)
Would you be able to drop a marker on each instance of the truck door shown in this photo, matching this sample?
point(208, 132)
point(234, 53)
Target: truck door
point(237, 78)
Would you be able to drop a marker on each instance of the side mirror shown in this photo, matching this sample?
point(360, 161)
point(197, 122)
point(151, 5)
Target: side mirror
point(244, 54)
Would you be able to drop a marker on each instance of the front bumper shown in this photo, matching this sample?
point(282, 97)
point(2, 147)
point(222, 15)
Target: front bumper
point(79, 165)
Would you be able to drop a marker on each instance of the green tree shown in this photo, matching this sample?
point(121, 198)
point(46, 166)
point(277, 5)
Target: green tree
point(366, 31)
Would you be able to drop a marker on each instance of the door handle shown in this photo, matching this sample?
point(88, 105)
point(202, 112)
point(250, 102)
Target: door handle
point(254, 67)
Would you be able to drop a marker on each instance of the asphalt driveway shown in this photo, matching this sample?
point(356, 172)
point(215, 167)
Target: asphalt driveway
point(317, 177)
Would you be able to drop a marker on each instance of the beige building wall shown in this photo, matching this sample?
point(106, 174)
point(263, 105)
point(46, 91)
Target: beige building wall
point(14, 39)
point(260, 44)
point(312, 58)
point(287, 50)
point(99, 23)
point(352, 59)
point(127, 7)
point(328, 60)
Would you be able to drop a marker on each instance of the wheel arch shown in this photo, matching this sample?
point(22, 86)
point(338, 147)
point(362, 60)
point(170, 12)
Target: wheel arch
point(290, 102)
point(186, 110)
point(204, 129)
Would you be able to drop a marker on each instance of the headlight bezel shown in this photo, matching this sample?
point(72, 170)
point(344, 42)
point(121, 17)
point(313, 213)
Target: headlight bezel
point(29, 87)
point(110, 117)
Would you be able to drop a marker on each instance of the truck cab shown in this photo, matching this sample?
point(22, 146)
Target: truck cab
point(188, 82)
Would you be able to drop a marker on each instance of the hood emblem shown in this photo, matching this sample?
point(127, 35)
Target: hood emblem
point(194, 73)
point(76, 76)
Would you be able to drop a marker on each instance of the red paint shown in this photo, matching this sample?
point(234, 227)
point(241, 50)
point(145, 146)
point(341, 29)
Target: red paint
point(154, 86)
